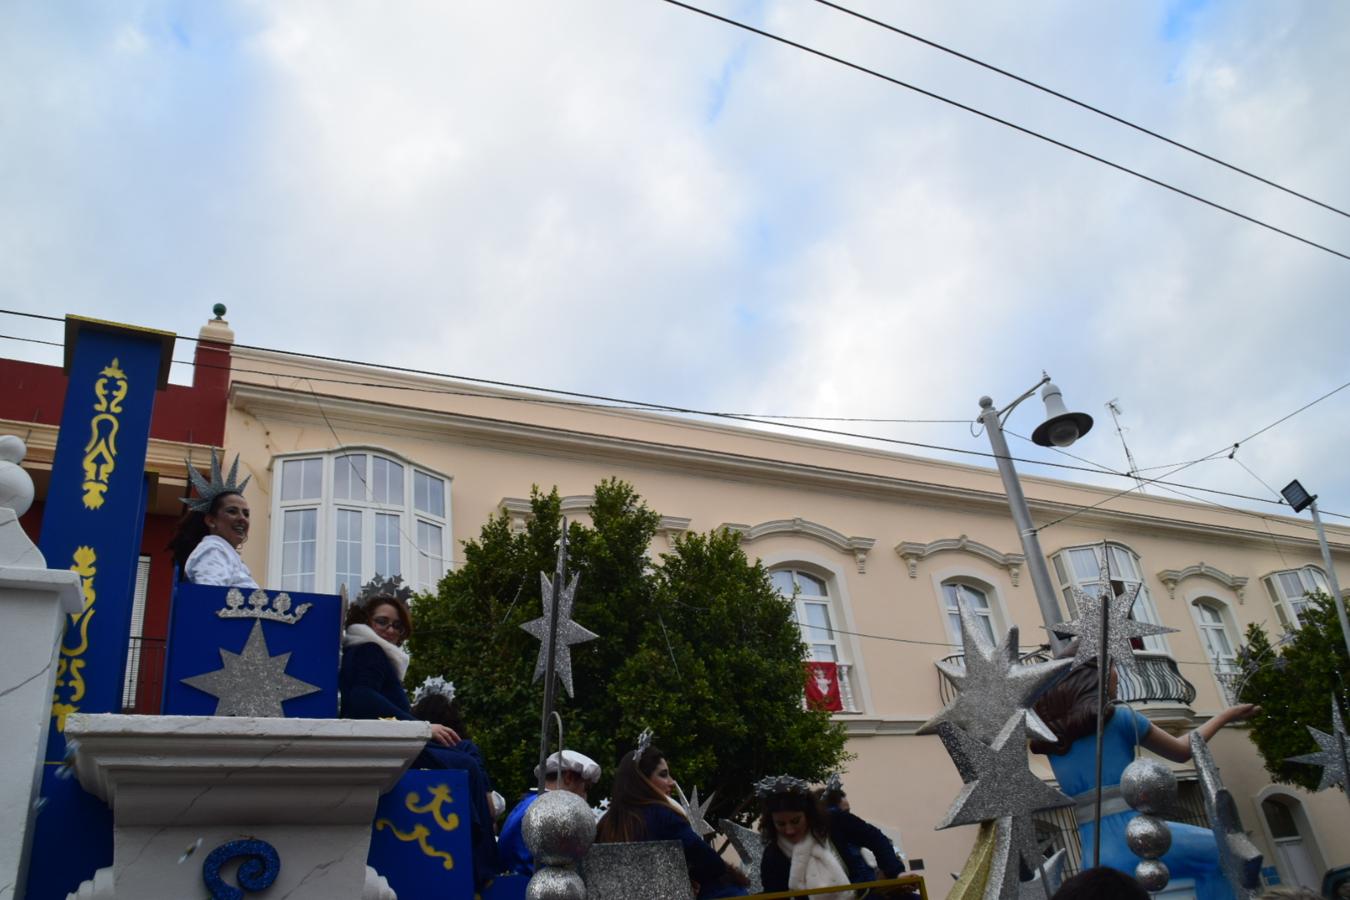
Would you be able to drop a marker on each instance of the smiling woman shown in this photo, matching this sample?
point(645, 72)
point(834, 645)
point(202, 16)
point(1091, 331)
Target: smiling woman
point(206, 545)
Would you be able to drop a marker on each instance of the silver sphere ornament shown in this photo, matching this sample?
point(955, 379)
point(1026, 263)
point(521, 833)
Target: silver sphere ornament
point(1149, 786)
point(559, 828)
point(555, 884)
point(1152, 874)
point(1148, 837)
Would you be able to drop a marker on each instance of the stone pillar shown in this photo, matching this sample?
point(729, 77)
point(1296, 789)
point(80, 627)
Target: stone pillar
point(186, 789)
point(34, 602)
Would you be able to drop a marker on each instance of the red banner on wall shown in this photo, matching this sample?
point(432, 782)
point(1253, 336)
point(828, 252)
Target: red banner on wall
point(822, 686)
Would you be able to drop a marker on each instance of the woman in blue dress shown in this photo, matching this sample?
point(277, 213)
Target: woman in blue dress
point(1070, 710)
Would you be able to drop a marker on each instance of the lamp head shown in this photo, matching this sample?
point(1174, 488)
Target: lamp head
point(1061, 427)
point(1297, 496)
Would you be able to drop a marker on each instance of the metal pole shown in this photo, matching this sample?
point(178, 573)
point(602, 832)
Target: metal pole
point(1017, 502)
point(559, 576)
point(1103, 678)
point(1331, 575)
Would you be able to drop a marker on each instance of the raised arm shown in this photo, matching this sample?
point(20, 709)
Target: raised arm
point(1178, 749)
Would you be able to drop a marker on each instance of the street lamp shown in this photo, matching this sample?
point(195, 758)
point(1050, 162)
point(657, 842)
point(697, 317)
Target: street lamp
point(1299, 499)
point(1060, 429)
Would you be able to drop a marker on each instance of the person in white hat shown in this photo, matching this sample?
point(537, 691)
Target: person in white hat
point(567, 771)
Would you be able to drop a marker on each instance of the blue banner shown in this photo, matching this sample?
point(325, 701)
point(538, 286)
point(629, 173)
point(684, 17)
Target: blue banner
point(91, 524)
point(252, 652)
point(420, 841)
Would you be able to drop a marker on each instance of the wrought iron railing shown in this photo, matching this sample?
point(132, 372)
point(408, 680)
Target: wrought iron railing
point(1154, 678)
point(143, 683)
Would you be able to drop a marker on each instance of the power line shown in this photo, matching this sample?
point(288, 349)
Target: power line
point(610, 403)
point(1079, 103)
point(1009, 124)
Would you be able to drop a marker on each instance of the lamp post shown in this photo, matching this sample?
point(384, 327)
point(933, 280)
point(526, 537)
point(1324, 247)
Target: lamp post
point(1299, 499)
point(1060, 429)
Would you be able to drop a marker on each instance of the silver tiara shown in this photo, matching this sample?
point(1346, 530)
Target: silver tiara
point(209, 490)
point(380, 586)
point(434, 684)
point(834, 784)
point(644, 742)
point(781, 784)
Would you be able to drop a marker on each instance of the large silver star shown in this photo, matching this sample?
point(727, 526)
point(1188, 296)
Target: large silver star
point(1120, 627)
point(749, 847)
point(993, 682)
point(1332, 753)
point(1002, 785)
point(569, 632)
point(1047, 879)
point(251, 683)
point(1238, 857)
point(697, 812)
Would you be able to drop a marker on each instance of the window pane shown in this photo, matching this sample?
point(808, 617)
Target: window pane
point(349, 477)
point(387, 561)
point(1208, 614)
point(297, 549)
point(1290, 585)
point(810, 584)
point(816, 622)
point(1280, 819)
point(301, 479)
point(386, 481)
point(1123, 565)
point(824, 653)
point(1316, 581)
point(430, 565)
point(428, 494)
point(348, 550)
point(782, 582)
point(1084, 562)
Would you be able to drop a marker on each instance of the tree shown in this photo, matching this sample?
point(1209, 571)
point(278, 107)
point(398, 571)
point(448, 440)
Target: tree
point(1293, 681)
point(697, 646)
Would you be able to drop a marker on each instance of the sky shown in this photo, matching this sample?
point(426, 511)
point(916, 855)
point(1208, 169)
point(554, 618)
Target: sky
point(625, 198)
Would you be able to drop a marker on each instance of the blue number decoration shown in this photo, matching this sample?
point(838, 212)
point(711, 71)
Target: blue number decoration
point(256, 873)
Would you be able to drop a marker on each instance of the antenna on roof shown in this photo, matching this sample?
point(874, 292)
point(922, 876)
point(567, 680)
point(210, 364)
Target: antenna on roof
point(1114, 406)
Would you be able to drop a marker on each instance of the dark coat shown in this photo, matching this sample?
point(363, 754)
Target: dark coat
point(849, 834)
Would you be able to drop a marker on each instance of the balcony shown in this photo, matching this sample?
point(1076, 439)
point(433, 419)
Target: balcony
point(1155, 687)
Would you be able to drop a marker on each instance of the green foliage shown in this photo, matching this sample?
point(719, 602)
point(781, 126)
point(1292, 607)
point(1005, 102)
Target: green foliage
point(1293, 683)
point(697, 646)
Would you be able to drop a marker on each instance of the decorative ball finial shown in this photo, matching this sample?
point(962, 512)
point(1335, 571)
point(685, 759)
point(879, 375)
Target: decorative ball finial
point(16, 486)
point(219, 310)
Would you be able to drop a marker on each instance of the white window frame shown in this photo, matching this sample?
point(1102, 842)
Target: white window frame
point(998, 617)
point(1144, 608)
point(136, 644)
point(327, 506)
point(1311, 577)
point(853, 679)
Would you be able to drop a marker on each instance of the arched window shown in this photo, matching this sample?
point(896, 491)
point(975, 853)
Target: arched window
point(976, 598)
point(1289, 592)
point(1214, 634)
point(1087, 567)
point(811, 598)
point(342, 518)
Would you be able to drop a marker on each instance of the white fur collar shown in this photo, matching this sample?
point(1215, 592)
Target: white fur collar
point(815, 865)
point(364, 634)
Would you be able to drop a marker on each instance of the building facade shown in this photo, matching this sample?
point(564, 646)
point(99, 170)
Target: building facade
point(360, 471)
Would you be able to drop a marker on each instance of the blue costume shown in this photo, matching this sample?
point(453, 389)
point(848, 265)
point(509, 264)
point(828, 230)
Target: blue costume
point(662, 823)
point(371, 689)
point(516, 858)
point(849, 834)
point(1194, 853)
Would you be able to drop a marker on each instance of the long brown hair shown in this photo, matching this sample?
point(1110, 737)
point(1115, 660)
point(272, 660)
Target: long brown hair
point(1070, 710)
point(633, 789)
point(809, 805)
point(359, 613)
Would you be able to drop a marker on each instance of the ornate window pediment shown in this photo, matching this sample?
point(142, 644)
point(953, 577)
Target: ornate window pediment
point(913, 552)
point(858, 546)
point(1172, 577)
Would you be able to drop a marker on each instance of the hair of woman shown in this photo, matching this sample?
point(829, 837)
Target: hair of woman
point(191, 529)
point(441, 711)
point(1070, 710)
point(359, 613)
point(633, 789)
point(809, 804)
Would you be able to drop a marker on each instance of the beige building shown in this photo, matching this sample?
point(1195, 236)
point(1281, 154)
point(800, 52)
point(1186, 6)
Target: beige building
point(357, 470)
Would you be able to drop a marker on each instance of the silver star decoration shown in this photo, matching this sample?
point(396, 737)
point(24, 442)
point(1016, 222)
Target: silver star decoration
point(993, 682)
point(1331, 755)
point(251, 683)
point(1120, 627)
point(569, 632)
point(697, 812)
point(1002, 784)
point(1047, 879)
point(749, 847)
point(1238, 857)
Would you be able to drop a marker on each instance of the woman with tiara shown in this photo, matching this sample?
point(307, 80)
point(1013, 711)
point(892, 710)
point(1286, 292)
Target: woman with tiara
point(1070, 711)
point(206, 545)
point(641, 809)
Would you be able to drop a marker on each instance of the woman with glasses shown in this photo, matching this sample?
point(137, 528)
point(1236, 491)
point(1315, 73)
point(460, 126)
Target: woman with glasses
point(370, 682)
